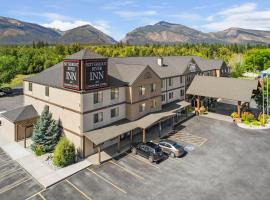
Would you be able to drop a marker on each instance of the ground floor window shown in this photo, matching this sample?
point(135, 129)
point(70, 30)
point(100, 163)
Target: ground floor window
point(163, 97)
point(142, 107)
point(170, 95)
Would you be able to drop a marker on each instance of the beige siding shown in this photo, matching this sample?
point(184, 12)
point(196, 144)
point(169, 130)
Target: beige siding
point(7, 130)
point(76, 140)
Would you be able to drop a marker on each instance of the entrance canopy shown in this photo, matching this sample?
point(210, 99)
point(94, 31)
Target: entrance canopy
point(102, 135)
point(221, 87)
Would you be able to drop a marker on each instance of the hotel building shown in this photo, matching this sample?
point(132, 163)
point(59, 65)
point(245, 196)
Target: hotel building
point(101, 102)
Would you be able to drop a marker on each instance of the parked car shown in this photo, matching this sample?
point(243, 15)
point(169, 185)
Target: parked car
point(6, 90)
point(172, 148)
point(149, 150)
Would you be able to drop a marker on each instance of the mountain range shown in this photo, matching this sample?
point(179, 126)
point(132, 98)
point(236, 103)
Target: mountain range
point(13, 31)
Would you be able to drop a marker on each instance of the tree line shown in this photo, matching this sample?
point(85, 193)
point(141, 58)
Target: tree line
point(40, 56)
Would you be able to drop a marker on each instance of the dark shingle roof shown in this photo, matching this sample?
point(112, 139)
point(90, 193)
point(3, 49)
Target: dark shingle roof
point(83, 55)
point(21, 114)
point(208, 64)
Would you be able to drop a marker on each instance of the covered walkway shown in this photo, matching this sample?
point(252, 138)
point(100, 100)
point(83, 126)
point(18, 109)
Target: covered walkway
point(99, 136)
point(238, 90)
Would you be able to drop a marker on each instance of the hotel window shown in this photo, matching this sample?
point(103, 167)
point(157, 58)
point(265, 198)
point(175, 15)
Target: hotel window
point(170, 95)
point(114, 93)
point(153, 103)
point(47, 91)
point(181, 79)
point(98, 117)
point(114, 112)
point(153, 87)
point(163, 97)
point(170, 81)
point(98, 97)
point(141, 90)
point(182, 92)
point(30, 87)
point(142, 107)
point(163, 83)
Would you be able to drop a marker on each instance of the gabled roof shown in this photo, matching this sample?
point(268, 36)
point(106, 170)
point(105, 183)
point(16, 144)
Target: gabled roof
point(220, 87)
point(83, 55)
point(208, 64)
point(173, 65)
point(21, 114)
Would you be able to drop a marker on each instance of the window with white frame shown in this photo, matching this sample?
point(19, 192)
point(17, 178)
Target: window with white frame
point(114, 93)
point(170, 95)
point(30, 87)
point(163, 97)
point(141, 90)
point(142, 107)
point(115, 112)
point(163, 83)
point(98, 97)
point(182, 92)
point(153, 103)
point(153, 87)
point(98, 117)
point(47, 91)
point(170, 81)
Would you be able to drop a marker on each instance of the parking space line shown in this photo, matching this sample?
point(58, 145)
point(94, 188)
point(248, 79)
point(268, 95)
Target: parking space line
point(15, 185)
point(38, 193)
point(107, 181)
point(42, 196)
point(143, 161)
point(74, 186)
point(6, 174)
point(127, 170)
point(6, 163)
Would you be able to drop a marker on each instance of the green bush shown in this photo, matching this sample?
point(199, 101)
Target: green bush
point(39, 150)
point(64, 153)
point(262, 119)
point(247, 116)
point(247, 122)
point(256, 123)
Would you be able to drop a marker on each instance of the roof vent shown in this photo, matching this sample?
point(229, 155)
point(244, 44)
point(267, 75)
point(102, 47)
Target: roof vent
point(160, 61)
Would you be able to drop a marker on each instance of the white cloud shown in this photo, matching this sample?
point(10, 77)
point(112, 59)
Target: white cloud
point(243, 16)
point(118, 4)
point(134, 14)
point(67, 25)
point(210, 18)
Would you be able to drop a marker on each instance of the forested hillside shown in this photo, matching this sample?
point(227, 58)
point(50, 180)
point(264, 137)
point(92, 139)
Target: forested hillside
point(25, 60)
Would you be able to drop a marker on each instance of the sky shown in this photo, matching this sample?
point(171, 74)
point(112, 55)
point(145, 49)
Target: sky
point(118, 17)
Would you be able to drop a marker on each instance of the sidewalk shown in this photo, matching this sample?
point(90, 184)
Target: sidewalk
point(45, 175)
point(218, 117)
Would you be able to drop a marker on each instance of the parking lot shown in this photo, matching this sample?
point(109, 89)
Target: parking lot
point(227, 163)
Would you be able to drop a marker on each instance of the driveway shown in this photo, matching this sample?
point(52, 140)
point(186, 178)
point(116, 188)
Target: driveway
point(228, 163)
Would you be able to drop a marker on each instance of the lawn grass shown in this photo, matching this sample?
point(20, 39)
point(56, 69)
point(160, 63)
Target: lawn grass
point(17, 81)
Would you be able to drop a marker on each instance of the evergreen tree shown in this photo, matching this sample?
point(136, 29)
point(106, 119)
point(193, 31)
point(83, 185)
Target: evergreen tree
point(46, 132)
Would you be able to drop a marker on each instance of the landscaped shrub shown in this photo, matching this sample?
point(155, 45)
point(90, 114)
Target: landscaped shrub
point(64, 153)
point(39, 150)
point(46, 132)
point(247, 116)
point(256, 123)
point(234, 115)
point(262, 119)
point(246, 122)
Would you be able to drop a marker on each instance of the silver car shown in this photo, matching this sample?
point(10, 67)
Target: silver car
point(172, 148)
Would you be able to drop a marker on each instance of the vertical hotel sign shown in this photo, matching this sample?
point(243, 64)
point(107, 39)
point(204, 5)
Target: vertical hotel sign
point(96, 73)
point(71, 74)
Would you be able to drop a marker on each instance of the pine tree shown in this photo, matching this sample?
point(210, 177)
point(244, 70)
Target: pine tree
point(46, 132)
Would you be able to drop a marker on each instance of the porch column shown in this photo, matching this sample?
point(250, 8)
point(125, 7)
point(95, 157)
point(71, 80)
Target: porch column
point(131, 136)
point(160, 129)
point(144, 138)
point(99, 155)
point(118, 143)
point(25, 137)
point(239, 109)
point(198, 104)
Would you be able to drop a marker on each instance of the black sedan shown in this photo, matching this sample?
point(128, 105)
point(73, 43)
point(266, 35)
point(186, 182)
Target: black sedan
point(149, 150)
